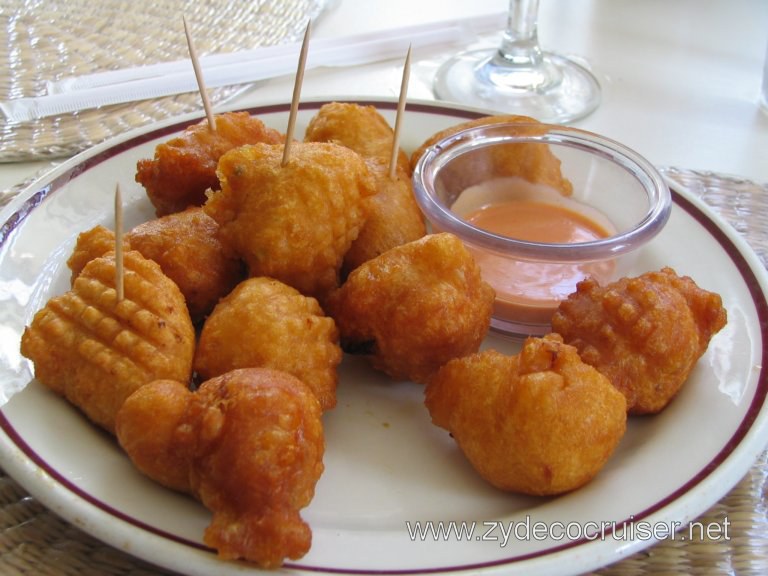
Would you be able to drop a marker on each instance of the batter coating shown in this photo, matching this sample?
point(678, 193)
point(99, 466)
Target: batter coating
point(184, 167)
point(187, 247)
point(645, 333)
point(295, 222)
point(394, 217)
point(96, 351)
point(358, 127)
point(541, 422)
point(415, 307)
point(265, 323)
point(248, 444)
point(90, 245)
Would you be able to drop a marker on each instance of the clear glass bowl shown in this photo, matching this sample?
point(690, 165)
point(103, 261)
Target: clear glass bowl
point(549, 180)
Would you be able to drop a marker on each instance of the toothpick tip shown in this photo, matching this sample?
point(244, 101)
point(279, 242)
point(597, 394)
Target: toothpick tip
point(199, 77)
point(400, 113)
point(296, 95)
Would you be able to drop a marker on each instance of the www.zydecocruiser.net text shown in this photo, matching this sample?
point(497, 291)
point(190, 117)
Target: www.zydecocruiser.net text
point(507, 532)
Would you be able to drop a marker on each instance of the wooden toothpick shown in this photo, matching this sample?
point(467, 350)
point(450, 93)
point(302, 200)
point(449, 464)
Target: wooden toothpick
point(119, 269)
point(400, 113)
point(296, 95)
point(199, 77)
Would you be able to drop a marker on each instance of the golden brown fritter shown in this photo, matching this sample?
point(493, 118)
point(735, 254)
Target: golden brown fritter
point(541, 422)
point(96, 351)
point(187, 247)
point(415, 307)
point(533, 162)
point(645, 333)
point(148, 427)
point(265, 323)
point(184, 167)
point(358, 127)
point(394, 217)
point(262, 430)
point(90, 245)
point(293, 222)
point(250, 444)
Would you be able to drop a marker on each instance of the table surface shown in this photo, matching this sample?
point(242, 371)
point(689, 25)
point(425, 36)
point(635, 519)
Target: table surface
point(681, 82)
point(681, 78)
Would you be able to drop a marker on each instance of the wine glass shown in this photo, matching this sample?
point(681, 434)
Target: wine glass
point(518, 77)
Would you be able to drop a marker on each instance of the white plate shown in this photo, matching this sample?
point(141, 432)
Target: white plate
point(387, 467)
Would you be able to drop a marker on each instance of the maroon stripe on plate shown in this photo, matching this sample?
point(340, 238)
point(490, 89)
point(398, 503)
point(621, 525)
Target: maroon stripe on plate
point(756, 405)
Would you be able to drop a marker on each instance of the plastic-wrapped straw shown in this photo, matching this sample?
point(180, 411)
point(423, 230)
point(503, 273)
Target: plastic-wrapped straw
point(242, 67)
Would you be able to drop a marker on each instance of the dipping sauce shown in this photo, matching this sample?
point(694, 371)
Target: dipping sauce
point(530, 291)
point(537, 222)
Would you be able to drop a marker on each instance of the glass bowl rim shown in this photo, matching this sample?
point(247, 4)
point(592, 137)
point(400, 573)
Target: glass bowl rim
point(484, 135)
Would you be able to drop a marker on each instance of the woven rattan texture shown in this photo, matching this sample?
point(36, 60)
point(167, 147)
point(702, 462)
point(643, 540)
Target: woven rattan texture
point(33, 540)
point(43, 40)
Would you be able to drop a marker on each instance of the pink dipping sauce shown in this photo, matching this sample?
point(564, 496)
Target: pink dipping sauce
point(530, 291)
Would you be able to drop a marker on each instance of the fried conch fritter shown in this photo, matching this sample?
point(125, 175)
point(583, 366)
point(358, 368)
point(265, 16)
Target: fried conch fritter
point(187, 247)
point(248, 444)
point(359, 127)
point(541, 422)
point(394, 217)
point(533, 162)
point(184, 167)
point(90, 245)
point(645, 333)
point(293, 222)
point(415, 307)
point(96, 351)
point(265, 323)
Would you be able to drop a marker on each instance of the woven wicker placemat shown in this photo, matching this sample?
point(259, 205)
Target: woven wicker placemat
point(45, 41)
point(33, 540)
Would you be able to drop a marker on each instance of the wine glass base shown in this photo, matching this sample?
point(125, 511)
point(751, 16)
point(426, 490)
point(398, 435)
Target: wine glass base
point(556, 92)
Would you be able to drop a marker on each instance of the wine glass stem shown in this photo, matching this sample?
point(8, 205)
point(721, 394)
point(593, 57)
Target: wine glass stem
point(520, 43)
point(518, 77)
